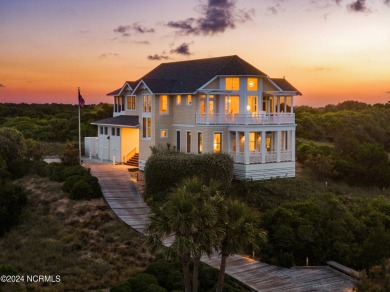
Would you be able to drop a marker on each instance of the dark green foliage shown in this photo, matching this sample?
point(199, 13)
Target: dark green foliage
point(81, 190)
point(166, 169)
point(167, 273)
point(19, 168)
point(71, 155)
point(39, 167)
point(12, 144)
point(34, 149)
point(12, 199)
point(52, 122)
point(54, 171)
point(73, 170)
point(70, 182)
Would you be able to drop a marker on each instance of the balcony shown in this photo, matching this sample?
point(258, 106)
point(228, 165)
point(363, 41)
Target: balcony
point(256, 157)
point(246, 119)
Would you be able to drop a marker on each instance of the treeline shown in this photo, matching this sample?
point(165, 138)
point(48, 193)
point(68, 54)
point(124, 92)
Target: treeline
point(52, 122)
point(347, 142)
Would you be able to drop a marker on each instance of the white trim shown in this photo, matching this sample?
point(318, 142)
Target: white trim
point(127, 102)
point(184, 125)
point(115, 125)
point(274, 84)
point(123, 87)
point(146, 86)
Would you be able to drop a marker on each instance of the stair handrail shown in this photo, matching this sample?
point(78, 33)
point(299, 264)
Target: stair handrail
point(129, 155)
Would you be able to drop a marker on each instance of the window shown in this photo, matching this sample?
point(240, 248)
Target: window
point(163, 104)
point(147, 127)
point(178, 99)
point(178, 140)
point(105, 131)
point(232, 104)
point(188, 142)
point(123, 103)
point(252, 141)
point(200, 142)
point(232, 83)
point(202, 107)
point(164, 133)
point(252, 104)
point(217, 142)
point(101, 130)
point(113, 131)
point(189, 99)
point(284, 140)
point(252, 84)
point(147, 103)
point(131, 103)
point(118, 131)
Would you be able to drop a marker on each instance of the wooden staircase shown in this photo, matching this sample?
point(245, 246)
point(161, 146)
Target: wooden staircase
point(133, 161)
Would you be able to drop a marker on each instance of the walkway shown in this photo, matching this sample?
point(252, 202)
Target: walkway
point(122, 196)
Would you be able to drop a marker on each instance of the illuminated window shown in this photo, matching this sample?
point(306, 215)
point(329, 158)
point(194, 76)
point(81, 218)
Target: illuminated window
point(147, 127)
point(252, 104)
point(188, 142)
point(131, 103)
point(163, 104)
point(189, 99)
point(163, 133)
point(178, 99)
point(200, 142)
point(252, 141)
point(232, 104)
point(217, 142)
point(232, 83)
point(202, 107)
point(147, 103)
point(252, 84)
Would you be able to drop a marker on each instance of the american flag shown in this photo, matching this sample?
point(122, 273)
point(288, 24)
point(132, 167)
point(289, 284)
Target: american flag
point(81, 100)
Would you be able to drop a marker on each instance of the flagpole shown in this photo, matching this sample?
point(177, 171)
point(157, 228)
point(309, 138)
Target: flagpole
point(78, 102)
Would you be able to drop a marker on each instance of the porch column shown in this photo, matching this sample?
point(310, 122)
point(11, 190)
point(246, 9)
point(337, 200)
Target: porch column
point(278, 146)
point(246, 148)
point(278, 104)
point(207, 109)
point(292, 145)
point(263, 146)
point(292, 105)
point(237, 142)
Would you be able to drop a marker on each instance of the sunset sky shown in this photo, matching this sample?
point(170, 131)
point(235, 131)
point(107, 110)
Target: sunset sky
point(331, 50)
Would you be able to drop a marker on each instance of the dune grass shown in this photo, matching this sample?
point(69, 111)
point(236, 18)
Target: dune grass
point(81, 241)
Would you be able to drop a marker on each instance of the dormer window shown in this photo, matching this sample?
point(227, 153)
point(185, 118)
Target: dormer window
point(252, 84)
point(232, 83)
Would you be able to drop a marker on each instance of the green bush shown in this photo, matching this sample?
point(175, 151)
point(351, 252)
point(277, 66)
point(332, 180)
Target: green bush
point(70, 182)
point(54, 171)
point(168, 274)
point(19, 168)
point(40, 167)
point(81, 190)
point(12, 199)
point(73, 170)
point(94, 184)
point(166, 169)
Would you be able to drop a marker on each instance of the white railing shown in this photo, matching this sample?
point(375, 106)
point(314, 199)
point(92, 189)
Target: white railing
point(246, 119)
point(256, 157)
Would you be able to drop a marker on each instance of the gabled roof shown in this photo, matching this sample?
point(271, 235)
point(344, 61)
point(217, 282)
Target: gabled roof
point(188, 76)
point(284, 85)
point(122, 121)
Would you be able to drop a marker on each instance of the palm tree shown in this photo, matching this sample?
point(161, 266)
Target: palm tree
point(241, 230)
point(191, 216)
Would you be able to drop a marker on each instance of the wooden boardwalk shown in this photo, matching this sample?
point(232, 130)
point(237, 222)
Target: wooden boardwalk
point(124, 199)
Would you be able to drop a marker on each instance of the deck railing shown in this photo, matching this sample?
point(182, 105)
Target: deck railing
point(256, 158)
point(246, 119)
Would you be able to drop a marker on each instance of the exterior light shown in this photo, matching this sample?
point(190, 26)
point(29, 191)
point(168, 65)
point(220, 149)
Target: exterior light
point(251, 84)
point(248, 107)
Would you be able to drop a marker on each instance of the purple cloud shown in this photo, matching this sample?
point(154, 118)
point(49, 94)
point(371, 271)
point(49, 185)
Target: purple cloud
point(358, 6)
point(183, 49)
point(156, 57)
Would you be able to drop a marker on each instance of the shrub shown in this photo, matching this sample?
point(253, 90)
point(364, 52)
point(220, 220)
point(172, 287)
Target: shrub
point(81, 190)
point(72, 170)
point(12, 144)
point(71, 155)
point(166, 169)
point(54, 171)
point(70, 182)
point(94, 184)
point(167, 273)
point(12, 199)
point(40, 167)
point(19, 168)
point(34, 149)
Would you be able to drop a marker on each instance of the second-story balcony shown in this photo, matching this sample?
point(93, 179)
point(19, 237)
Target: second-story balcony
point(246, 119)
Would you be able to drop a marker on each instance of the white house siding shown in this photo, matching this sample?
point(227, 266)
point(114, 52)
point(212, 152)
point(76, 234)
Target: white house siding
point(264, 171)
